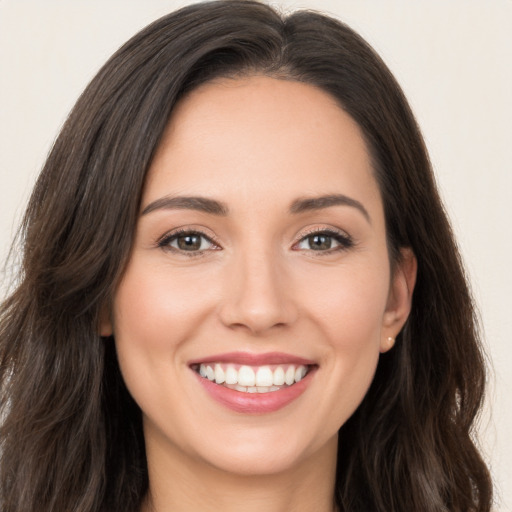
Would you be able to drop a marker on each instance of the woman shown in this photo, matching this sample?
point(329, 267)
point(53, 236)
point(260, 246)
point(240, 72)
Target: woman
point(239, 287)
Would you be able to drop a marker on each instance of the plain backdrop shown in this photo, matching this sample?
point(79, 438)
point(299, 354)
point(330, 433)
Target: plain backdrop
point(453, 59)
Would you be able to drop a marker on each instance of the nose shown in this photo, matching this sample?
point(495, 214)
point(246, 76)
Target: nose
point(258, 295)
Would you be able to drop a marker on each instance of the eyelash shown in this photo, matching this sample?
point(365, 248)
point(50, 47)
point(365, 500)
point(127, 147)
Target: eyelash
point(345, 241)
point(166, 240)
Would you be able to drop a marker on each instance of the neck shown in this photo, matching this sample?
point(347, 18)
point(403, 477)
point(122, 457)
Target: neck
point(181, 484)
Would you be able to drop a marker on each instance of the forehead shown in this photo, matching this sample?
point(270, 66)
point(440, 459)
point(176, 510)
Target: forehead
point(261, 136)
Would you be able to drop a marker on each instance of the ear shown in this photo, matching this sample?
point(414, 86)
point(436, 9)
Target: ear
point(105, 324)
point(400, 298)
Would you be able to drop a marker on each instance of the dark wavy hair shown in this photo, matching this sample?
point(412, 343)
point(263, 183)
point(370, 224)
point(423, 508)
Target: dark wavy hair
point(71, 435)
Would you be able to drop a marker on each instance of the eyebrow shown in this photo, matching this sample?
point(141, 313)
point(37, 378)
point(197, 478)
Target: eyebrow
point(201, 204)
point(215, 207)
point(318, 203)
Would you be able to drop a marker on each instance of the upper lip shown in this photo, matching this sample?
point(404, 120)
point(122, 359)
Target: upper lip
point(249, 359)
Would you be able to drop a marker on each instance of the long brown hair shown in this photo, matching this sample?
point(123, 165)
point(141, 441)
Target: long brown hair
point(71, 436)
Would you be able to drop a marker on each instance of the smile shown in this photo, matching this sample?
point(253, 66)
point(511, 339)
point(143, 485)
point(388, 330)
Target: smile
point(254, 383)
point(252, 379)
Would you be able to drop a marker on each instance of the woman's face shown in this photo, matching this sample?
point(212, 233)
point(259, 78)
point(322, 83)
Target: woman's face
point(258, 295)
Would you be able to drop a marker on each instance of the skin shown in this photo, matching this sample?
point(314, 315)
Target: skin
point(256, 144)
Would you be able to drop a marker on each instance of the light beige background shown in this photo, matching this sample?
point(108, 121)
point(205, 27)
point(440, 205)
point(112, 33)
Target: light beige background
point(453, 59)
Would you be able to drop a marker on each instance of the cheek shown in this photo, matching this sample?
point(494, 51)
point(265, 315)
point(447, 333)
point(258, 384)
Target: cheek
point(349, 309)
point(155, 312)
point(155, 308)
point(349, 303)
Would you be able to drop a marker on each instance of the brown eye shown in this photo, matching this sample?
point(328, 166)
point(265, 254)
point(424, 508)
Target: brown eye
point(188, 241)
point(324, 241)
point(319, 242)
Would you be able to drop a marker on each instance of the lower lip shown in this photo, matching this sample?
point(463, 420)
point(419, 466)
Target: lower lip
point(255, 403)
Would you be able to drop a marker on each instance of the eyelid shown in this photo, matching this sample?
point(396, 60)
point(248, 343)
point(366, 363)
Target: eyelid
point(163, 241)
point(344, 240)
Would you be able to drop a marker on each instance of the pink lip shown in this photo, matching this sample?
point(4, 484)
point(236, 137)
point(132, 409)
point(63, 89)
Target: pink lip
point(253, 359)
point(255, 403)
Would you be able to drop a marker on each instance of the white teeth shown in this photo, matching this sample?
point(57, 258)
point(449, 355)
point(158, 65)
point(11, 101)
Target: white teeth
point(278, 379)
point(219, 374)
point(299, 373)
point(289, 377)
point(253, 379)
point(231, 375)
point(253, 389)
point(246, 376)
point(264, 376)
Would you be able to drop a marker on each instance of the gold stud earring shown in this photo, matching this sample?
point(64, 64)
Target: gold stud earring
point(389, 344)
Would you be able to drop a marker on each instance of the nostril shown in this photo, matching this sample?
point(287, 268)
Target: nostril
point(257, 297)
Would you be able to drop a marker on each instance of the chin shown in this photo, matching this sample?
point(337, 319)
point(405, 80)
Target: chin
point(248, 462)
point(264, 454)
